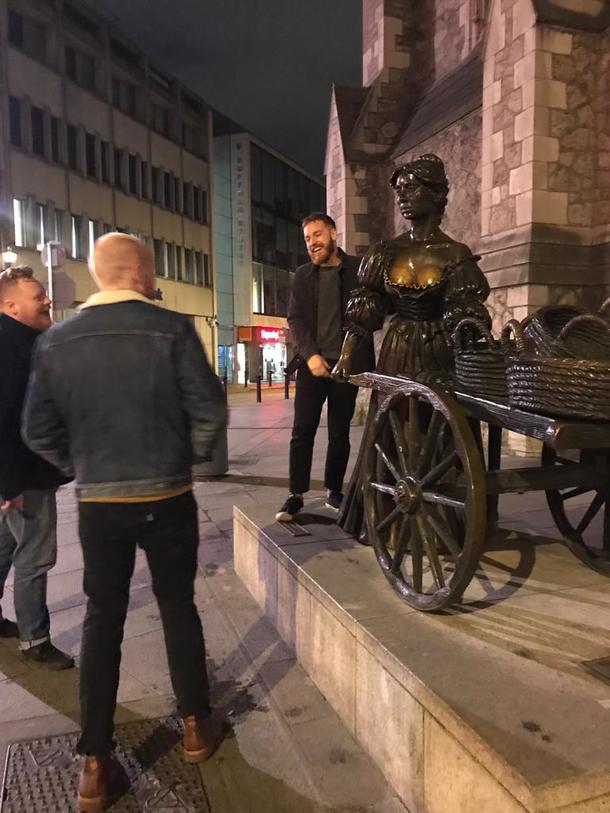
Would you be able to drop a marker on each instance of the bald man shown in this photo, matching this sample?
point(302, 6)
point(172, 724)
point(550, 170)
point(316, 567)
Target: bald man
point(122, 394)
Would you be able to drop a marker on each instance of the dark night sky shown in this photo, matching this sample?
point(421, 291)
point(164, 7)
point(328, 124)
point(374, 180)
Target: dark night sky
point(267, 64)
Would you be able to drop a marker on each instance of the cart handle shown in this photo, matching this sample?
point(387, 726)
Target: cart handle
point(469, 321)
point(605, 306)
point(512, 327)
point(584, 317)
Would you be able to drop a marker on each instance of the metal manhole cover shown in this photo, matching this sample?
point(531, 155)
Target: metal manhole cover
point(41, 776)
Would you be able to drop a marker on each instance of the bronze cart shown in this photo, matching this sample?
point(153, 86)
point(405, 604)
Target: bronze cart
point(430, 496)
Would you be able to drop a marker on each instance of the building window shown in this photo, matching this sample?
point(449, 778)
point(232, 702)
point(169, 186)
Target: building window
point(167, 189)
point(118, 168)
point(171, 260)
point(192, 139)
point(160, 119)
point(159, 255)
point(133, 175)
point(144, 179)
point(200, 205)
point(188, 265)
point(76, 237)
point(37, 117)
point(177, 195)
point(28, 35)
point(90, 155)
point(14, 108)
point(93, 233)
point(124, 96)
point(41, 218)
point(105, 150)
point(72, 147)
point(19, 222)
point(199, 268)
point(207, 276)
point(179, 269)
point(158, 186)
point(58, 225)
point(80, 67)
point(55, 149)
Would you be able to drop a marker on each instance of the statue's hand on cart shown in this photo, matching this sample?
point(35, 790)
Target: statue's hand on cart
point(342, 369)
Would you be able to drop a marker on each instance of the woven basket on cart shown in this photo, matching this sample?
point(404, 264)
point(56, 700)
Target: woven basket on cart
point(567, 332)
point(480, 365)
point(562, 387)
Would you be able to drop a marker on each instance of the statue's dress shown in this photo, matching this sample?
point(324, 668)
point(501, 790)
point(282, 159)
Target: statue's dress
point(427, 297)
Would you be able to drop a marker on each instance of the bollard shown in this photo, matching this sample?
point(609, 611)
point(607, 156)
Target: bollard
point(269, 378)
point(286, 387)
point(259, 395)
point(246, 378)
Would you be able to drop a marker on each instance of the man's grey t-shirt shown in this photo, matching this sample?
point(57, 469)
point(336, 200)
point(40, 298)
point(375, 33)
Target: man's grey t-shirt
point(329, 336)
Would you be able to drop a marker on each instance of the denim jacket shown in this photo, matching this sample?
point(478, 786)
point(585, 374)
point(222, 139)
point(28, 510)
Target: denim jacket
point(122, 396)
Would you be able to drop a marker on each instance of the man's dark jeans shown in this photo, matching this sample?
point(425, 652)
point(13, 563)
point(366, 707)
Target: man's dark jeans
point(311, 392)
point(167, 531)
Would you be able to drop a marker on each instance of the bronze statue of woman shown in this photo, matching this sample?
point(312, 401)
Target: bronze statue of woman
point(428, 281)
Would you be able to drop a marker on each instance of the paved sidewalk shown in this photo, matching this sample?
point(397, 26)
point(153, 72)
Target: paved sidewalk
point(290, 752)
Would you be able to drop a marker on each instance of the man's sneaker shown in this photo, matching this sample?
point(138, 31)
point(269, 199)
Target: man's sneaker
point(292, 506)
point(8, 629)
point(48, 656)
point(334, 500)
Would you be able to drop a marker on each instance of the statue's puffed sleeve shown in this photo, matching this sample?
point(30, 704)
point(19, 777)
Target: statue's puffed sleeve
point(367, 306)
point(466, 293)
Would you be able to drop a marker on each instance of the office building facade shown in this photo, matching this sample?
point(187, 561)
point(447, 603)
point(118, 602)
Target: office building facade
point(259, 201)
point(94, 138)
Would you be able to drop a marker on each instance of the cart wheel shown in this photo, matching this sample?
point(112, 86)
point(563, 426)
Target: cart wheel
point(424, 496)
point(582, 515)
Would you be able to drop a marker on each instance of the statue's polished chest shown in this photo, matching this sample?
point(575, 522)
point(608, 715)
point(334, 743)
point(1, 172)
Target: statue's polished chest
point(417, 266)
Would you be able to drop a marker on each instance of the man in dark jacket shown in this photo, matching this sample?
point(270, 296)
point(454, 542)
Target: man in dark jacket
point(316, 316)
point(122, 394)
point(28, 534)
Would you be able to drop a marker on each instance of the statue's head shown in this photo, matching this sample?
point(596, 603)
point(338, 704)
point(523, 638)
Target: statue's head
point(421, 187)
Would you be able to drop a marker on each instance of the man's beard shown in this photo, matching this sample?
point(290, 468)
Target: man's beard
point(324, 254)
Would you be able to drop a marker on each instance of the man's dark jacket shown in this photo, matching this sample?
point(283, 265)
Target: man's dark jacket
point(20, 469)
point(122, 394)
point(303, 313)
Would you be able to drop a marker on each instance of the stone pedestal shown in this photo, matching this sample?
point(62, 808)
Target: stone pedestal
point(486, 709)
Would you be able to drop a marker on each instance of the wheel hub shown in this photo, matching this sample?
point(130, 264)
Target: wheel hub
point(408, 495)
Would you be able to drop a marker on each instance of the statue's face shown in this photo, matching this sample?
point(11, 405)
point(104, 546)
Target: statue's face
point(415, 199)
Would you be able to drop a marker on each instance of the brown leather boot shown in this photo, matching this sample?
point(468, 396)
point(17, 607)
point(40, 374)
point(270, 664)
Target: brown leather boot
point(94, 787)
point(202, 737)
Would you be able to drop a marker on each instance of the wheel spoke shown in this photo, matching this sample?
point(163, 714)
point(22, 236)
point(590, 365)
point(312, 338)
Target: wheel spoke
point(403, 543)
point(389, 465)
point(430, 546)
point(417, 559)
point(385, 489)
point(399, 441)
point(430, 445)
point(441, 468)
point(413, 434)
point(388, 520)
point(591, 512)
point(574, 492)
point(443, 531)
point(443, 499)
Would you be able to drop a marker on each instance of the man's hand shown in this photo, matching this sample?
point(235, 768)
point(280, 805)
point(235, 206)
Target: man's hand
point(318, 366)
point(16, 503)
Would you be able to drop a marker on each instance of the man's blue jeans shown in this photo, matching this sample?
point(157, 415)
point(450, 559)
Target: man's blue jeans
point(28, 542)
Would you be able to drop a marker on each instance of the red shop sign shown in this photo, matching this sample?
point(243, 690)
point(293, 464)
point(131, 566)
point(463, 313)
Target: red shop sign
point(270, 334)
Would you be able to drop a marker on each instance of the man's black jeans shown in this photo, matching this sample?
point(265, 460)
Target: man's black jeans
point(167, 531)
point(311, 392)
